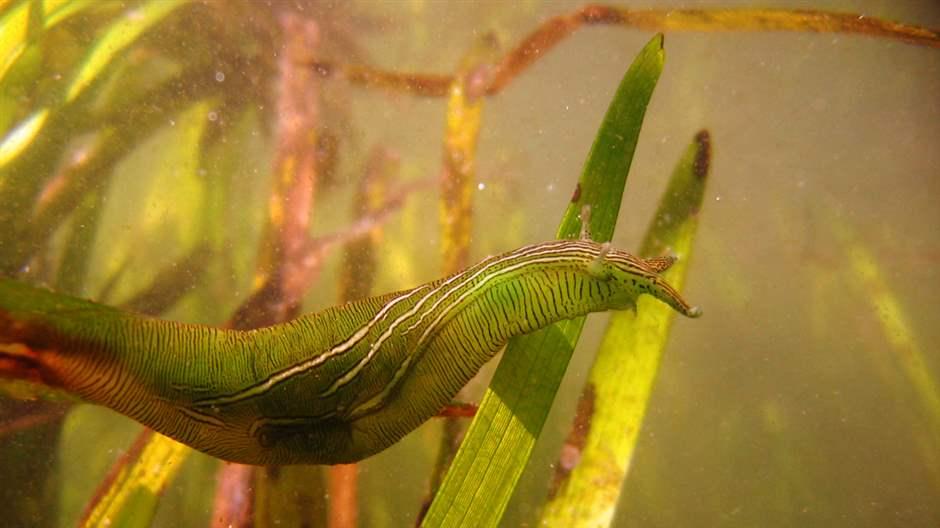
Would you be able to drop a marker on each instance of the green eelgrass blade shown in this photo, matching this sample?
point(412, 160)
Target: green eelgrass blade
point(500, 439)
point(621, 380)
point(129, 496)
point(21, 22)
point(867, 276)
point(27, 148)
point(119, 36)
point(116, 39)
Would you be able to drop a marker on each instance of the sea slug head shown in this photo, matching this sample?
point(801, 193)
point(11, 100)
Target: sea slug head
point(638, 276)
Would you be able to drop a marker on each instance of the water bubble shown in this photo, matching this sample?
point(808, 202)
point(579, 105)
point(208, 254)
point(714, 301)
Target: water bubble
point(135, 14)
point(219, 76)
point(213, 116)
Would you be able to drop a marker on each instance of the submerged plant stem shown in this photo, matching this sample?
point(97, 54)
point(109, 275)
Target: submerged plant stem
point(558, 28)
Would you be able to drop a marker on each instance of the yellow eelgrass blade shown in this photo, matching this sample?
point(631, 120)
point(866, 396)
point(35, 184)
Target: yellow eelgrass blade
point(614, 401)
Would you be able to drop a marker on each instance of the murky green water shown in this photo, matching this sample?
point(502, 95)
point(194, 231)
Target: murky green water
point(807, 394)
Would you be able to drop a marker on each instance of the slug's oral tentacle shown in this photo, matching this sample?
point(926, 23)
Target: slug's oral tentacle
point(666, 293)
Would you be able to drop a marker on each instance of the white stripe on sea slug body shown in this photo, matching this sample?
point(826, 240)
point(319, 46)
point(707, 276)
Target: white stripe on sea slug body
point(309, 364)
point(431, 327)
point(527, 251)
point(377, 400)
point(200, 417)
point(589, 250)
point(629, 260)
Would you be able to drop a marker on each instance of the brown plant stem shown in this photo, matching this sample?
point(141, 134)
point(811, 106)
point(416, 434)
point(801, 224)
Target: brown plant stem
point(232, 505)
point(343, 489)
point(458, 410)
point(560, 27)
point(357, 276)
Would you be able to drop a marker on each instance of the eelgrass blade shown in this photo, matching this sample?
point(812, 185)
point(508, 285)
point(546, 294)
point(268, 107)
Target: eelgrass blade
point(500, 439)
point(21, 136)
point(620, 383)
point(17, 25)
point(869, 279)
point(116, 39)
point(128, 497)
point(80, 243)
point(27, 149)
point(119, 36)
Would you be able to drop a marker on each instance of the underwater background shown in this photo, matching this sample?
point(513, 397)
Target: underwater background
point(806, 395)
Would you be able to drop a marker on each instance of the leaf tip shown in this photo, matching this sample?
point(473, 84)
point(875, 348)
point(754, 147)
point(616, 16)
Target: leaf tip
point(703, 154)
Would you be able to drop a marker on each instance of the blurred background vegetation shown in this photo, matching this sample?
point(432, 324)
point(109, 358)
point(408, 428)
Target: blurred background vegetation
point(142, 141)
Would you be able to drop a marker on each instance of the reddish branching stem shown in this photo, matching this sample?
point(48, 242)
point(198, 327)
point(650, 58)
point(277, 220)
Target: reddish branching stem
point(233, 503)
point(560, 27)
